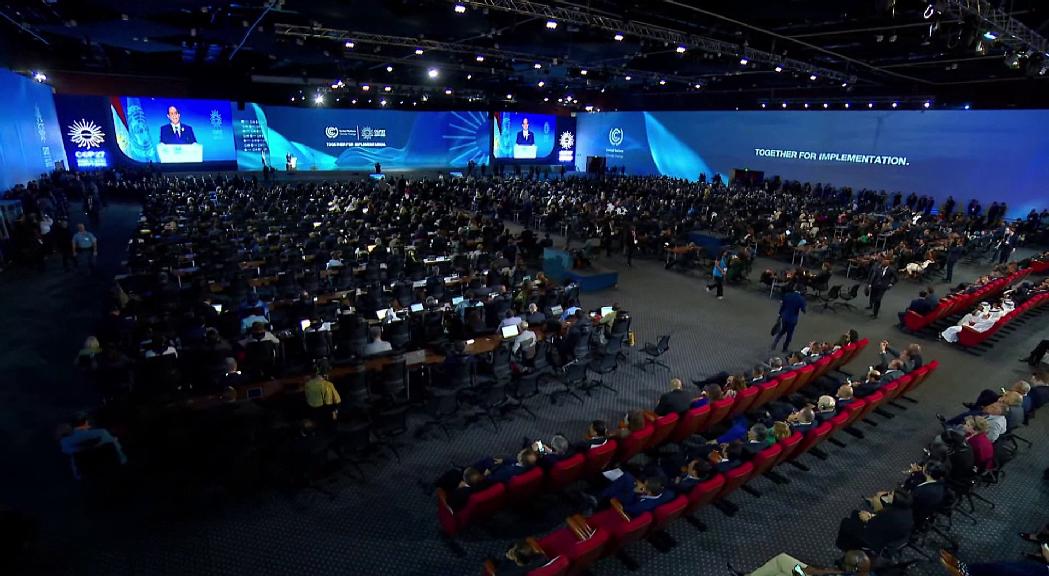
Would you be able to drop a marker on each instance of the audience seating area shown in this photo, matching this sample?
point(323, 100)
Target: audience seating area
point(955, 303)
point(583, 541)
point(968, 337)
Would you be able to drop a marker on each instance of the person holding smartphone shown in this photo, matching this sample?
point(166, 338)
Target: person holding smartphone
point(854, 563)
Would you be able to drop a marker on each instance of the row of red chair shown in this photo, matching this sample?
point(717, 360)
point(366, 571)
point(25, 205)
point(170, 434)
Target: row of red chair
point(969, 337)
point(1039, 266)
point(956, 303)
point(669, 428)
point(585, 540)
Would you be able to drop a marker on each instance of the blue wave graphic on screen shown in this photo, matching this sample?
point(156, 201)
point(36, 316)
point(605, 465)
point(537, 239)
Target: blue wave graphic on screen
point(672, 156)
point(467, 136)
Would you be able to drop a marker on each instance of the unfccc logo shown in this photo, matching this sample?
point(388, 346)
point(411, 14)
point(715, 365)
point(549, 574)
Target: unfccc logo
point(331, 132)
point(615, 136)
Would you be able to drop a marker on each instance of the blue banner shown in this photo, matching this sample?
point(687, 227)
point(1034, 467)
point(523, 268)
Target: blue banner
point(30, 135)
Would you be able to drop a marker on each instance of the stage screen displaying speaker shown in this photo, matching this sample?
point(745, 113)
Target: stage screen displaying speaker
point(166, 131)
point(30, 135)
point(308, 139)
point(990, 155)
point(523, 137)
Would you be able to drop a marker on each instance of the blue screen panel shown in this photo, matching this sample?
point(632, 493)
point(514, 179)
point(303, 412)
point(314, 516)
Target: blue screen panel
point(30, 135)
point(524, 137)
point(992, 155)
point(173, 130)
point(326, 139)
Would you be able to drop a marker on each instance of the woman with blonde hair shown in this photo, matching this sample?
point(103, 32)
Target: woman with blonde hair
point(780, 431)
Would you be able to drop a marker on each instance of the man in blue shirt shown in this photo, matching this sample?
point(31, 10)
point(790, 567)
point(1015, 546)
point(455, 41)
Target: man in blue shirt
point(85, 437)
point(85, 246)
point(720, 268)
point(789, 310)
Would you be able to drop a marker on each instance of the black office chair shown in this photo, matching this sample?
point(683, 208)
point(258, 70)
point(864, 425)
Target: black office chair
point(442, 408)
point(389, 425)
point(356, 396)
point(394, 383)
point(655, 351)
point(601, 366)
point(317, 344)
point(573, 376)
point(398, 334)
point(847, 298)
point(829, 299)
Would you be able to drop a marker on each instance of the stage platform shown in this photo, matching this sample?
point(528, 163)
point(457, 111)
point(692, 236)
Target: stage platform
point(557, 265)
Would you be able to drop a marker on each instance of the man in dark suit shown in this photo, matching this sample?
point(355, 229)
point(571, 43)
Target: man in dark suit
point(919, 305)
point(460, 486)
point(890, 521)
point(926, 485)
point(954, 254)
point(790, 309)
point(176, 132)
point(525, 137)
point(676, 400)
point(882, 278)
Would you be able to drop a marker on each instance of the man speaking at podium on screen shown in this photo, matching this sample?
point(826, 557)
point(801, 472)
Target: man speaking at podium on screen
point(176, 132)
point(525, 137)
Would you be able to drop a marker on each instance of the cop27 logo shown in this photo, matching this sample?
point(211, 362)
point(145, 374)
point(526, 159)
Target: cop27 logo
point(331, 132)
point(86, 134)
point(615, 136)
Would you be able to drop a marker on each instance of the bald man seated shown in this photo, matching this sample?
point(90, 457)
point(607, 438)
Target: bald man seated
point(674, 400)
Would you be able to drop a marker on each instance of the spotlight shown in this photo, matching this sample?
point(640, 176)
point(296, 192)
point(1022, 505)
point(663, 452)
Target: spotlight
point(966, 106)
point(318, 99)
point(433, 72)
point(680, 49)
point(537, 66)
point(812, 77)
point(618, 37)
point(460, 8)
point(846, 105)
point(541, 83)
point(778, 68)
point(389, 68)
point(894, 104)
point(418, 51)
point(386, 88)
point(743, 61)
point(582, 72)
point(825, 105)
point(627, 78)
point(926, 104)
point(348, 44)
point(39, 76)
point(448, 92)
point(479, 58)
point(662, 82)
point(551, 24)
point(870, 104)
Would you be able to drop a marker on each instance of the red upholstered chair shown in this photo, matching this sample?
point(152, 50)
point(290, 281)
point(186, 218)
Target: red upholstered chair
point(662, 428)
point(566, 472)
point(870, 403)
point(558, 566)
point(480, 506)
point(814, 437)
point(840, 420)
point(789, 446)
point(704, 493)
point(855, 409)
point(804, 377)
point(667, 513)
point(744, 400)
point(764, 461)
point(903, 383)
point(718, 411)
point(692, 422)
point(579, 543)
point(522, 486)
point(769, 392)
point(890, 390)
point(786, 383)
point(735, 478)
point(599, 457)
point(634, 443)
point(620, 527)
point(820, 367)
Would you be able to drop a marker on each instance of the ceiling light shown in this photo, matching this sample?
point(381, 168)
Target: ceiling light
point(680, 49)
point(480, 58)
point(628, 78)
point(418, 51)
point(926, 104)
point(990, 36)
point(743, 61)
point(537, 66)
point(662, 82)
point(448, 91)
point(582, 72)
point(846, 105)
point(348, 44)
point(618, 37)
point(541, 83)
point(433, 72)
point(870, 104)
point(387, 88)
point(894, 104)
point(778, 68)
point(551, 24)
point(39, 76)
point(812, 77)
point(318, 99)
point(389, 68)
point(459, 8)
point(366, 87)
point(825, 105)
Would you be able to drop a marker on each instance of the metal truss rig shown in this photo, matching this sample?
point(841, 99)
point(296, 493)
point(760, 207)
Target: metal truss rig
point(1011, 32)
point(656, 33)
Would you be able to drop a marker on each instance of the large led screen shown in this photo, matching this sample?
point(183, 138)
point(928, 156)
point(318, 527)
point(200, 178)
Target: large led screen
point(991, 155)
point(524, 137)
point(327, 139)
point(30, 136)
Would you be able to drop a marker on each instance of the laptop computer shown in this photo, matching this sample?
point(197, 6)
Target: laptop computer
point(416, 308)
point(419, 284)
point(556, 311)
point(605, 311)
point(217, 307)
point(510, 331)
point(382, 313)
point(456, 300)
point(304, 324)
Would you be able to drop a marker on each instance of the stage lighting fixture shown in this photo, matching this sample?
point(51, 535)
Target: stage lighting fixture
point(763, 105)
point(870, 104)
point(628, 78)
point(354, 101)
point(846, 105)
point(894, 104)
point(292, 98)
point(1012, 60)
point(509, 96)
point(926, 104)
point(469, 76)
point(433, 73)
point(806, 105)
point(39, 76)
point(680, 49)
point(460, 8)
point(551, 24)
point(448, 92)
point(778, 68)
point(981, 48)
point(743, 61)
point(389, 68)
point(546, 99)
point(418, 51)
point(697, 87)
point(990, 36)
point(582, 72)
point(348, 44)
point(318, 99)
point(541, 83)
point(618, 37)
point(537, 66)
point(387, 88)
point(812, 77)
point(588, 108)
point(662, 82)
point(844, 84)
point(825, 105)
point(382, 102)
point(784, 105)
point(966, 106)
point(425, 98)
point(479, 58)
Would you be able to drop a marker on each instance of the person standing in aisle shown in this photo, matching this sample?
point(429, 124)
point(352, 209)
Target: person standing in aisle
point(790, 311)
point(720, 268)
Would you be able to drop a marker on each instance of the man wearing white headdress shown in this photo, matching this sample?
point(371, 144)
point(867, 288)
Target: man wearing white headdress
point(980, 320)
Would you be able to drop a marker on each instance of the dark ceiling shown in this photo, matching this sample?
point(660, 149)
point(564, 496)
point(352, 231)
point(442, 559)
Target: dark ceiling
point(495, 53)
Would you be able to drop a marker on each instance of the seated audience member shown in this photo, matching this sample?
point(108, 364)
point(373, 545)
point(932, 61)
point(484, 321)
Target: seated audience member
point(854, 563)
point(1022, 388)
point(554, 451)
point(868, 386)
point(695, 472)
point(802, 420)
point(711, 393)
point(635, 422)
point(321, 395)
point(520, 560)
point(84, 437)
point(981, 320)
point(637, 497)
point(911, 357)
point(890, 520)
point(596, 435)
point(759, 375)
point(927, 487)
point(535, 317)
point(992, 414)
point(779, 432)
point(510, 319)
point(503, 469)
point(675, 400)
point(844, 396)
point(248, 321)
point(259, 333)
point(231, 376)
point(826, 408)
point(376, 345)
point(460, 485)
point(894, 371)
point(975, 429)
point(920, 306)
point(159, 346)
